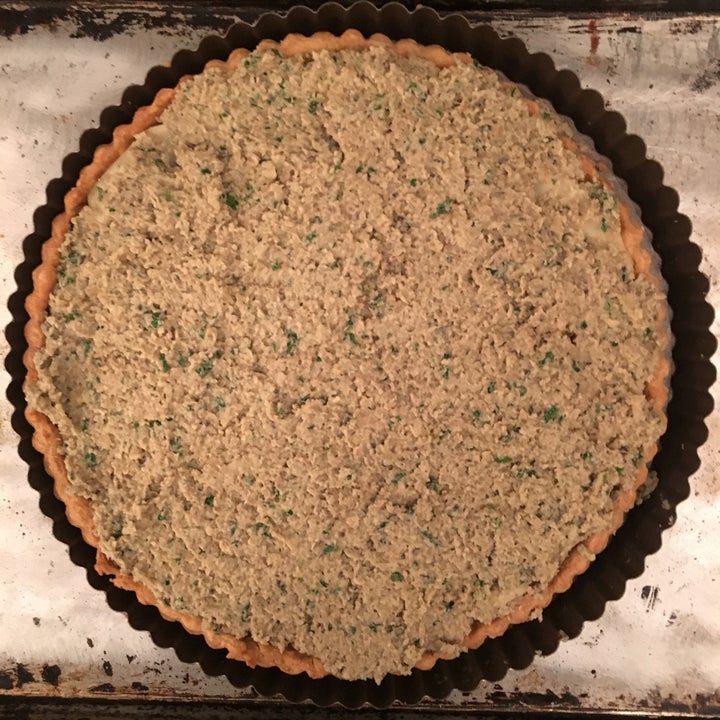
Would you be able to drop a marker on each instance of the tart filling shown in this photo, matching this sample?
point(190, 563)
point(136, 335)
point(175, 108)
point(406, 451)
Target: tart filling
point(351, 355)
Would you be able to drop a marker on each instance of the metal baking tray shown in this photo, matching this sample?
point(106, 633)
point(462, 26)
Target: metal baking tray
point(607, 579)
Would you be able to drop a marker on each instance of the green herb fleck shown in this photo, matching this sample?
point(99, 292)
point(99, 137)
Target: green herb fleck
point(230, 200)
point(64, 279)
point(206, 366)
point(116, 528)
point(313, 106)
point(74, 258)
point(176, 446)
point(205, 171)
point(396, 576)
point(91, 460)
point(165, 363)
point(329, 549)
point(245, 613)
point(548, 357)
point(398, 477)
point(443, 208)
point(349, 334)
point(292, 341)
point(502, 459)
point(552, 413)
point(210, 500)
point(433, 483)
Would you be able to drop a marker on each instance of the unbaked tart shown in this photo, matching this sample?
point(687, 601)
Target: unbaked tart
point(347, 354)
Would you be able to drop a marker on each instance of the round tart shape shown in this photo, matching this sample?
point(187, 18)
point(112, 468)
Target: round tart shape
point(347, 355)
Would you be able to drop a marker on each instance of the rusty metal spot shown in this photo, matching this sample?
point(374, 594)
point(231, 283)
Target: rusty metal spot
point(51, 674)
point(691, 27)
point(594, 37)
point(547, 699)
point(103, 688)
point(707, 79)
point(23, 675)
point(102, 24)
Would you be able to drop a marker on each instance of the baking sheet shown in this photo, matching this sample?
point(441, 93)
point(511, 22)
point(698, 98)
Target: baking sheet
point(656, 650)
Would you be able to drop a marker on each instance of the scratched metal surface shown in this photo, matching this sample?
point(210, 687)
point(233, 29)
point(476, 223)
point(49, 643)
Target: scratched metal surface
point(657, 650)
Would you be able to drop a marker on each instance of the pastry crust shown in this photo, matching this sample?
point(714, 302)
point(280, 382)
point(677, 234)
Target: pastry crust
point(47, 439)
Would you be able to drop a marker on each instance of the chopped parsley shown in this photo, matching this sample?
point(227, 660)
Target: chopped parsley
point(552, 413)
point(548, 357)
point(176, 446)
point(396, 576)
point(292, 341)
point(206, 366)
point(230, 200)
point(210, 500)
point(442, 209)
point(398, 477)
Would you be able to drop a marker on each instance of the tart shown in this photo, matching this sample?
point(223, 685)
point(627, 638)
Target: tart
point(347, 355)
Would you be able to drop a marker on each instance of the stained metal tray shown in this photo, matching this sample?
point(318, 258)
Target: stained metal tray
point(69, 644)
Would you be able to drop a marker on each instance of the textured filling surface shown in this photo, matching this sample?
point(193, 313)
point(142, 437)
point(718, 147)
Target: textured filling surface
point(348, 354)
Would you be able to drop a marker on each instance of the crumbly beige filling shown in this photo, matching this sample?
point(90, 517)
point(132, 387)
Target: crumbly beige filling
point(347, 355)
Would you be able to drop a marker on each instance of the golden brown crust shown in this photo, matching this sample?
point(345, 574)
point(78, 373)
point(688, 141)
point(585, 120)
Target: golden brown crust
point(47, 439)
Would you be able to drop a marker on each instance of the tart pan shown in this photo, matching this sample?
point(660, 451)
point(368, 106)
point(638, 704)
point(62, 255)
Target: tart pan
point(693, 373)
